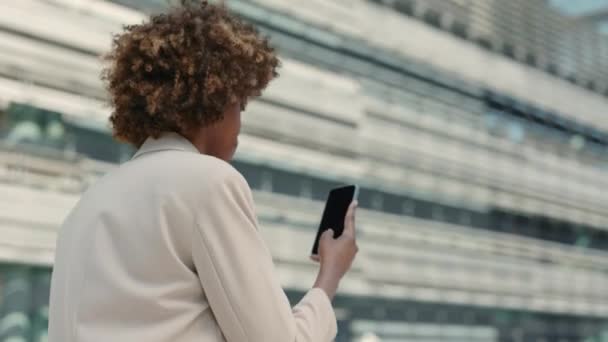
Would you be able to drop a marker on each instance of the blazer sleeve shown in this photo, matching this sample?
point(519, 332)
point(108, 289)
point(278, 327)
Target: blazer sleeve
point(237, 274)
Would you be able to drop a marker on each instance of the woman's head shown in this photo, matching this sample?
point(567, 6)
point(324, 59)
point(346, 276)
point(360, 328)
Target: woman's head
point(189, 71)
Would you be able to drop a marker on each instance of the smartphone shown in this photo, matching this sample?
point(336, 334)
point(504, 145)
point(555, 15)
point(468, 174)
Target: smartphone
point(337, 204)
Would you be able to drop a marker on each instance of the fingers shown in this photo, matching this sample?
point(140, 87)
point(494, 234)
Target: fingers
point(349, 219)
point(327, 235)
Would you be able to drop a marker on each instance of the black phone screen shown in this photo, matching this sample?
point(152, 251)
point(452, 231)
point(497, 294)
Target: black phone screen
point(337, 204)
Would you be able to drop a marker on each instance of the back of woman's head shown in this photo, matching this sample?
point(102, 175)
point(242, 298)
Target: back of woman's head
point(180, 70)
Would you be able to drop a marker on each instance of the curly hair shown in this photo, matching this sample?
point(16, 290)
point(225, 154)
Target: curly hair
point(181, 69)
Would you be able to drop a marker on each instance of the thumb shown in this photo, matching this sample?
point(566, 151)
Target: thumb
point(328, 234)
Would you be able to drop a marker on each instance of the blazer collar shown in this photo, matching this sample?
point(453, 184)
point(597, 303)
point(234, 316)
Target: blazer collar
point(167, 141)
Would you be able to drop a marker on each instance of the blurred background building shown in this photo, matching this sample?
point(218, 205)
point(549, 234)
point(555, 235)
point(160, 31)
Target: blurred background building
point(476, 128)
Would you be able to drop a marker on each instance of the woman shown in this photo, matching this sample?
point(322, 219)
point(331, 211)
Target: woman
point(166, 248)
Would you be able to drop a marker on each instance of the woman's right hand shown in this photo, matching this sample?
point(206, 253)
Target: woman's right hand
point(336, 255)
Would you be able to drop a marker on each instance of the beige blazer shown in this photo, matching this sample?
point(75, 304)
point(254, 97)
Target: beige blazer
point(166, 248)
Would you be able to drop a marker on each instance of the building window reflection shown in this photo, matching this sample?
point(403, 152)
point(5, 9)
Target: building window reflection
point(24, 301)
point(516, 131)
point(492, 121)
point(28, 125)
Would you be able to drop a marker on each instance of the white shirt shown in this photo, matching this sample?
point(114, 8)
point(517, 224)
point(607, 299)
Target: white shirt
point(166, 248)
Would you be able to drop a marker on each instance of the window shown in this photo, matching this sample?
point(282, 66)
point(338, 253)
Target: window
point(24, 293)
point(424, 209)
point(460, 29)
point(552, 69)
point(266, 181)
point(508, 50)
point(322, 187)
point(287, 183)
point(392, 203)
point(515, 131)
point(306, 188)
point(377, 201)
point(438, 212)
point(492, 121)
point(253, 174)
point(408, 207)
point(433, 18)
point(30, 125)
point(531, 59)
point(125, 152)
point(452, 214)
point(577, 142)
point(95, 144)
point(465, 218)
point(404, 6)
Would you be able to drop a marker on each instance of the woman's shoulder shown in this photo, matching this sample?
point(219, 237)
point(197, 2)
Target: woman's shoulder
point(213, 171)
point(182, 172)
point(212, 181)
